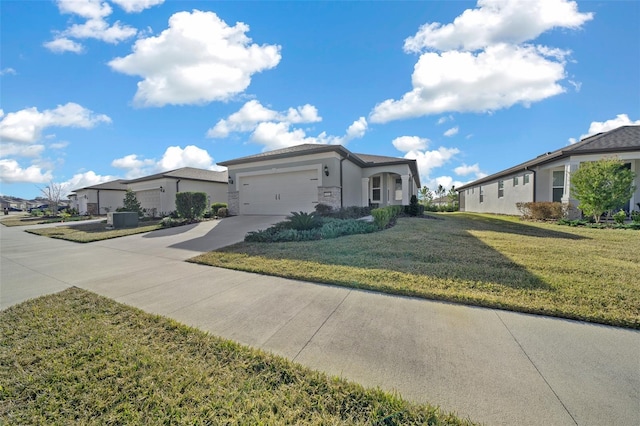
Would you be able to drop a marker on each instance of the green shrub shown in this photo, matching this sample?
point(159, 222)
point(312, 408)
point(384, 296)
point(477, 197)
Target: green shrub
point(302, 221)
point(223, 212)
point(131, 203)
point(323, 209)
point(384, 215)
point(413, 209)
point(217, 206)
point(635, 216)
point(352, 212)
point(620, 217)
point(191, 205)
point(331, 228)
point(170, 222)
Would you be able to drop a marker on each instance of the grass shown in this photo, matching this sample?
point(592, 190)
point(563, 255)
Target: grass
point(494, 261)
point(77, 358)
point(25, 220)
point(95, 231)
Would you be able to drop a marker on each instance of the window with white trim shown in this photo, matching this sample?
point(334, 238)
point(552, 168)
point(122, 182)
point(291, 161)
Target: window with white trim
point(481, 194)
point(557, 186)
point(515, 181)
point(525, 179)
point(500, 188)
point(376, 190)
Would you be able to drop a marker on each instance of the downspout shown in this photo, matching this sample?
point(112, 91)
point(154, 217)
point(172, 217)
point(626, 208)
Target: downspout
point(177, 186)
point(98, 197)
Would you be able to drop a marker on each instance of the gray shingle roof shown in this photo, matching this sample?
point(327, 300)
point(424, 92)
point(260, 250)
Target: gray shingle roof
point(362, 160)
point(116, 185)
point(621, 139)
point(186, 173)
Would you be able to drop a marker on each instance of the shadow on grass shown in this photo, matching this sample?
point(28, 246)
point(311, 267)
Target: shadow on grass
point(442, 249)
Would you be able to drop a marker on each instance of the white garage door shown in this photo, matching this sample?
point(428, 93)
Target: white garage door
point(280, 193)
point(150, 201)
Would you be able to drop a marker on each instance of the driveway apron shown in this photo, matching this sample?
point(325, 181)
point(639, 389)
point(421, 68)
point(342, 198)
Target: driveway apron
point(493, 366)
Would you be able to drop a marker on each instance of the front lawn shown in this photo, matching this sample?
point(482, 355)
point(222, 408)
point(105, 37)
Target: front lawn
point(78, 358)
point(95, 231)
point(493, 261)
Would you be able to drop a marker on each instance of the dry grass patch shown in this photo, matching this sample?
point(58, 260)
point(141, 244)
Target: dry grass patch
point(494, 261)
point(77, 358)
point(96, 231)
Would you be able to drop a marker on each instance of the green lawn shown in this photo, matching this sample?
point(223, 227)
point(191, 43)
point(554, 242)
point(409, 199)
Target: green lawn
point(494, 261)
point(26, 219)
point(77, 358)
point(95, 231)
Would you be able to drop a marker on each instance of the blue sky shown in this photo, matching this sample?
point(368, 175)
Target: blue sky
point(92, 91)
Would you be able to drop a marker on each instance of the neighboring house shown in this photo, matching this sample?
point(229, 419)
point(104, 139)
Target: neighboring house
point(548, 176)
point(299, 177)
point(157, 193)
point(99, 199)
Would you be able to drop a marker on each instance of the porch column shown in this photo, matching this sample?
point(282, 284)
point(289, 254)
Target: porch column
point(365, 192)
point(405, 189)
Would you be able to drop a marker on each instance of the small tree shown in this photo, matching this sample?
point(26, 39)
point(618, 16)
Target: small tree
point(52, 193)
point(426, 196)
point(602, 186)
point(414, 208)
point(440, 191)
point(452, 195)
point(131, 203)
point(191, 205)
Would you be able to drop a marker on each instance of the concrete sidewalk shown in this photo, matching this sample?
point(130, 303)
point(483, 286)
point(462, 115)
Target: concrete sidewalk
point(492, 366)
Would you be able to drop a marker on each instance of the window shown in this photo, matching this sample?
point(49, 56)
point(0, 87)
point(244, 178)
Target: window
point(481, 194)
point(375, 189)
point(525, 179)
point(558, 186)
point(515, 181)
point(473, 190)
point(500, 188)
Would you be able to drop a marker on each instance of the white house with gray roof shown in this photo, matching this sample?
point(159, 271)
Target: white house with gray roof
point(548, 176)
point(297, 178)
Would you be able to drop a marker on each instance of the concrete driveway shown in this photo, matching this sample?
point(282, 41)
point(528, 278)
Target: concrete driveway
point(493, 366)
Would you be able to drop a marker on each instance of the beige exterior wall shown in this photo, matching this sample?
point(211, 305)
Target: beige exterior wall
point(108, 200)
point(162, 202)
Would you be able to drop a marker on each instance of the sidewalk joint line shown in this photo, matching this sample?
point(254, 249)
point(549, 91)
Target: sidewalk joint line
point(537, 369)
point(321, 325)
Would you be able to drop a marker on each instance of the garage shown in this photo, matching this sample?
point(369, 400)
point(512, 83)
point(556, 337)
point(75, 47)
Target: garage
point(150, 201)
point(279, 193)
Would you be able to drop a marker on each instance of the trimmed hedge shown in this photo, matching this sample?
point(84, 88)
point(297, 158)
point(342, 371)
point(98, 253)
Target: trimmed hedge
point(382, 216)
point(331, 228)
point(542, 210)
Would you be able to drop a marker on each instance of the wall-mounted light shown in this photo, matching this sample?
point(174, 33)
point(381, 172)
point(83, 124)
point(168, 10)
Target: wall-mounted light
point(326, 170)
point(230, 181)
point(161, 189)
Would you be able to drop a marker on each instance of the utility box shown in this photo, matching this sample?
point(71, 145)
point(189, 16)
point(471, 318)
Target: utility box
point(119, 220)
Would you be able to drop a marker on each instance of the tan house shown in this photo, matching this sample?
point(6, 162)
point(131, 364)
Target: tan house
point(156, 193)
point(299, 177)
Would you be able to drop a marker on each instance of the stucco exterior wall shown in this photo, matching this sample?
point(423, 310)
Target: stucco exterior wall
point(351, 184)
point(108, 200)
point(492, 203)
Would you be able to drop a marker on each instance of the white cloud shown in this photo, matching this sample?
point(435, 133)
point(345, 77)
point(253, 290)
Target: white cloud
point(451, 132)
point(27, 125)
point(498, 77)
point(95, 26)
point(198, 59)
point(9, 149)
point(465, 170)
point(12, 172)
point(134, 6)
point(605, 126)
point(410, 143)
point(7, 71)
point(275, 129)
point(415, 149)
point(174, 157)
point(252, 113)
point(498, 21)
point(480, 62)
point(444, 119)
point(99, 29)
point(63, 44)
point(90, 9)
point(82, 180)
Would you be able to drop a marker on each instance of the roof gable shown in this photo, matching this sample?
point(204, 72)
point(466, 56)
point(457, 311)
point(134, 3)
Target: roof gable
point(186, 173)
